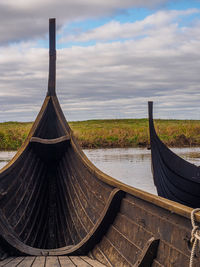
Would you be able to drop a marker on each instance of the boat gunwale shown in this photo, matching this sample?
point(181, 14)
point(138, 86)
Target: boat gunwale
point(172, 206)
point(30, 135)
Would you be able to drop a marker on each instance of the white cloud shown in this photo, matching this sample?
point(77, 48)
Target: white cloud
point(110, 80)
point(116, 30)
point(25, 19)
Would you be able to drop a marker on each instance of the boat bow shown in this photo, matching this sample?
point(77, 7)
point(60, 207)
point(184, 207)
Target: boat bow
point(174, 177)
point(51, 201)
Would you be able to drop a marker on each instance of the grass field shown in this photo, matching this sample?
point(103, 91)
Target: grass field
point(112, 133)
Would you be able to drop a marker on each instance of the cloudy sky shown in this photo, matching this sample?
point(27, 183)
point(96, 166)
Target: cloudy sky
point(112, 57)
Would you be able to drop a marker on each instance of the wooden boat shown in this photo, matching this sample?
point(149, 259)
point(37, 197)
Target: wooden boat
point(174, 177)
point(54, 201)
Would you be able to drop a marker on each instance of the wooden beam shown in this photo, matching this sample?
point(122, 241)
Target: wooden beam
point(52, 58)
point(148, 254)
point(49, 141)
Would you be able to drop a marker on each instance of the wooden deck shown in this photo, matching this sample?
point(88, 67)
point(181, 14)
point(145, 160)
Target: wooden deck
point(50, 261)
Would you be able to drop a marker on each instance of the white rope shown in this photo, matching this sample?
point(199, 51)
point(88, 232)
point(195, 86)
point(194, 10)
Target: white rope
point(195, 236)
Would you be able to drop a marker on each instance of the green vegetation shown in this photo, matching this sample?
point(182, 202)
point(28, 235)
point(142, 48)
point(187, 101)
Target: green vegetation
point(12, 134)
point(112, 133)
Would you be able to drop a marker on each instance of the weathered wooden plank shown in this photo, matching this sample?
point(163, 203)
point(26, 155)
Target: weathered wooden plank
point(14, 262)
point(79, 262)
point(39, 262)
point(27, 262)
point(49, 141)
point(65, 261)
point(81, 211)
point(4, 262)
point(52, 261)
point(148, 254)
point(148, 216)
point(71, 216)
point(124, 246)
point(93, 205)
point(92, 262)
point(156, 264)
point(98, 254)
point(132, 230)
point(95, 186)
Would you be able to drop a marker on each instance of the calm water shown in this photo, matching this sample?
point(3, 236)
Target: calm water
point(132, 166)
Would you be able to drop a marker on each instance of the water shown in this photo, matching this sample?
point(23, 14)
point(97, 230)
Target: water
point(5, 157)
point(131, 166)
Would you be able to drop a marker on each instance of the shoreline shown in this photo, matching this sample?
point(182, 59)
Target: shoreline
point(118, 133)
point(93, 146)
point(113, 147)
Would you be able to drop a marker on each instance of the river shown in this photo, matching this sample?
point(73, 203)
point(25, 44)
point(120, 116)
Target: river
point(132, 166)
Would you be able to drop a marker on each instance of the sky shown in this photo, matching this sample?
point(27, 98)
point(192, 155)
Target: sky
point(113, 57)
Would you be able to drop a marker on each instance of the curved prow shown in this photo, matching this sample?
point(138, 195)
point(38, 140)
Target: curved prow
point(150, 111)
point(174, 177)
point(52, 57)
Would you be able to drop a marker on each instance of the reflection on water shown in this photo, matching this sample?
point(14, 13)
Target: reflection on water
point(190, 154)
point(131, 166)
point(5, 157)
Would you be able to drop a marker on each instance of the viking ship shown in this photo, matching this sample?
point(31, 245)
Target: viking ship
point(56, 206)
point(174, 177)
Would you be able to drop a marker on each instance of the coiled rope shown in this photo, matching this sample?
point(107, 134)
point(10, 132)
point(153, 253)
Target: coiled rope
point(195, 236)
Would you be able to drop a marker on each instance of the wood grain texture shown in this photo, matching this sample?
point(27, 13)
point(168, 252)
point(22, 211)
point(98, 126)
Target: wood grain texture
point(49, 141)
point(39, 262)
point(136, 223)
point(51, 261)
point(14, 262)
point(79, 261)
point(92, 262)
point(6, 261)
point(66, 261)
point(27, 262)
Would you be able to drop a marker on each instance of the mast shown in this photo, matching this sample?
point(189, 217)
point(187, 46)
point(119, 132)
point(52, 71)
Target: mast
point(52, 58)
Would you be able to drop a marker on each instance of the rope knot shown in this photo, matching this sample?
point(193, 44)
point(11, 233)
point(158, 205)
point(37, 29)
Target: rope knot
point(195, 233)
point(195, 236)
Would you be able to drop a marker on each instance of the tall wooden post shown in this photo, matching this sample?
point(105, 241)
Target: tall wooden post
point(151, 124)
point(52, 57)
point(150, 109)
